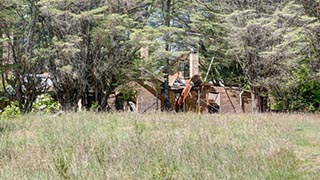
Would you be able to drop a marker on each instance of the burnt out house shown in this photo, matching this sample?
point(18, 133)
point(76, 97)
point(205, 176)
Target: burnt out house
point(188, 92)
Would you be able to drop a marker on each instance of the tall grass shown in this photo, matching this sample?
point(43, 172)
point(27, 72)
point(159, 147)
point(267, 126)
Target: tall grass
point(159, 146)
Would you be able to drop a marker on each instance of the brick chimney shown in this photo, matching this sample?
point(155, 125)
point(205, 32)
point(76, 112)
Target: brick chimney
point(144, 52)
point(194, 64)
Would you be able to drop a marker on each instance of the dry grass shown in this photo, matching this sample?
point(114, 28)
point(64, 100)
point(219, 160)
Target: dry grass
point(160, 146)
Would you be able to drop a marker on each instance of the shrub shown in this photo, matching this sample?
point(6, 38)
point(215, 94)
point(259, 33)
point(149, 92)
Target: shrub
point(302, 93)
point(12, 109)
point(45, 103)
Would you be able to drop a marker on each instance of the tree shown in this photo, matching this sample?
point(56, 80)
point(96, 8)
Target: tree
point(25, 41)
point(117, 52)
point(269, 46)
point(207, 24)
point(91, 47)
point(166, 36)
point(297, 54)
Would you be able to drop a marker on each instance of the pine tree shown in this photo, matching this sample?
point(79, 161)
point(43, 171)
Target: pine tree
point(169, 26)
point(91, 47)
point(22, 33)
point(207, 25)
point(270, 46)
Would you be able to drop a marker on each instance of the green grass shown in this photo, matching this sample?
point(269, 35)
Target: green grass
point(160, 146)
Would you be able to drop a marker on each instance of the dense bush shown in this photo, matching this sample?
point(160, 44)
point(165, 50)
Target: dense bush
point(12, 109)
point(44, 104)
point(301, 94)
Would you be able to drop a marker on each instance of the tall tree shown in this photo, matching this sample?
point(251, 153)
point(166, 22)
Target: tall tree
point(295, 50)
point(207, 25)
point(90, 47)
point(248, 41)
point(269, 45)
point(167, 36)
point(25, 41)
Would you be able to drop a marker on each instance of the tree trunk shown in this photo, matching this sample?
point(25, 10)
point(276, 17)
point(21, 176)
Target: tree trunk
point(104, 101)
point(167, 103)
point(259, 103)
point(255, 103)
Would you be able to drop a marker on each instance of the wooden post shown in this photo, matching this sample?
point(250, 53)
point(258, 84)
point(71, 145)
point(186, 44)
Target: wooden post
point(241, 101)
point(198, 101)
point(157, 101)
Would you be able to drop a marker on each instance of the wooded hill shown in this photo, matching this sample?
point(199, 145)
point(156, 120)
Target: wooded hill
point(270, 47)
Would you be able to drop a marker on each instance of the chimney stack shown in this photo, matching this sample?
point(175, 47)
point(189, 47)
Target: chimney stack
point(194, 64)
point(144, 52)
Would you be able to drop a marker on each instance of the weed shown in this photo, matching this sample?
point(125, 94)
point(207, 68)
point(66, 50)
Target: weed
point(164, 169)
point(139, 127)
point(62, 162)
point(5, 126)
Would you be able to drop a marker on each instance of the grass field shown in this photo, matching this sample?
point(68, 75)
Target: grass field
point(160, 146)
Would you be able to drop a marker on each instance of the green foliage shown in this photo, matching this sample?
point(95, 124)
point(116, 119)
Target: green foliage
point(208, 22)
point(94, 107)
point(12, 109)
point(127, 94)
point(164, 169)
point(303, 93)
point(90, 47)
point(93, 46)
point(166, 35)
point(62, 163)
point(45, 104)
point(270, 45)
point(22, 55)
point(139, 128)
point(309, 89)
